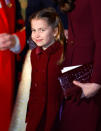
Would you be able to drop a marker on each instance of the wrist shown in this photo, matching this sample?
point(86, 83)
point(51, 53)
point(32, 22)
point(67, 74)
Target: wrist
point(16, 46)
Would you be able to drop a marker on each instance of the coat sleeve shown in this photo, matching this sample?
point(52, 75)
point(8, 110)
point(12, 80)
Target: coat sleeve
point(19, 113)
point(19, 27)
point(96, 20)
point(22, 37)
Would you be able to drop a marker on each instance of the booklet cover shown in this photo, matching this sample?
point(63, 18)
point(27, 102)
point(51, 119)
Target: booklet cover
point(81, 73)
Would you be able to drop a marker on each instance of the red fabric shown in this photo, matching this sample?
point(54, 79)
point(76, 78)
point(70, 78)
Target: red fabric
point(38, 50)
point(45, 93)
point(84, 46)
point(21, 22)
point(7, 65)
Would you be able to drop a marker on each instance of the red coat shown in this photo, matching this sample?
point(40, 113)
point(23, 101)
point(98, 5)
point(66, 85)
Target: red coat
point(84, 46)
point(45, 93)
point(7, 64)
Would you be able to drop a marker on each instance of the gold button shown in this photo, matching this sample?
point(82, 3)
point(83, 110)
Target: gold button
point(9, 5)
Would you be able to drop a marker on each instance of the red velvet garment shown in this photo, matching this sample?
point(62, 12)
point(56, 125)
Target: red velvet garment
point(45, 93)
point(84, 46)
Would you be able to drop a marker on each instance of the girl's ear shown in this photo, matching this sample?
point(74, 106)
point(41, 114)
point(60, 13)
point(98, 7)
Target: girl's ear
point(56, 32)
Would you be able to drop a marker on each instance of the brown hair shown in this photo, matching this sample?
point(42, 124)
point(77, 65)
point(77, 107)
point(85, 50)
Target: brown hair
point(52, 18)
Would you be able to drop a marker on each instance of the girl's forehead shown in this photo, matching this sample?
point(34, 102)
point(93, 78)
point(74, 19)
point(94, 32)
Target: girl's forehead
point(39, 22)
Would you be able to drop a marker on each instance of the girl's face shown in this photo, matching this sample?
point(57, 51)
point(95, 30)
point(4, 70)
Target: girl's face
point(42, 33)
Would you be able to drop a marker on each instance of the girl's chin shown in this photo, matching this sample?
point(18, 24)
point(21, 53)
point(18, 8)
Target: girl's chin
point(39, 45)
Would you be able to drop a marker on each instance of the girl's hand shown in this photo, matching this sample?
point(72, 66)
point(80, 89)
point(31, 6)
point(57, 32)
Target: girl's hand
point(88, 89)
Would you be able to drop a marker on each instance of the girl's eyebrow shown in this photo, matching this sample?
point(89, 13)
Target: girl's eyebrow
point(32, 28)
point(42, 28)
point(39, 28)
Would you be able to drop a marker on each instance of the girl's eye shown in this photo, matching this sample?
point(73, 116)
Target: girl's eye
point(41, 30)
point(33, 30)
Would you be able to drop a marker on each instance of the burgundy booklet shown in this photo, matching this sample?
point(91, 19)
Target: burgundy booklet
point(81, 73)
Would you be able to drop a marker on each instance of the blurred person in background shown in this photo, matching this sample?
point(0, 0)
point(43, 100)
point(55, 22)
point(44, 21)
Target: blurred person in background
point(82, 108)
point(11, 43)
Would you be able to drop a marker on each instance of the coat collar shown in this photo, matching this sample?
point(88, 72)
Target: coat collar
point(50, 50)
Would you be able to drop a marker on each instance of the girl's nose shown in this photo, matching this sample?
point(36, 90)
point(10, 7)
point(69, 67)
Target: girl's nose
point(37, 34)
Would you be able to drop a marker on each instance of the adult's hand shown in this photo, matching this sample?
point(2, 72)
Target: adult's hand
point(88, 89)
point(7, 41)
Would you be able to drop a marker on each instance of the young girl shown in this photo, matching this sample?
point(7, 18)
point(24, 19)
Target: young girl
point(45, 62)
